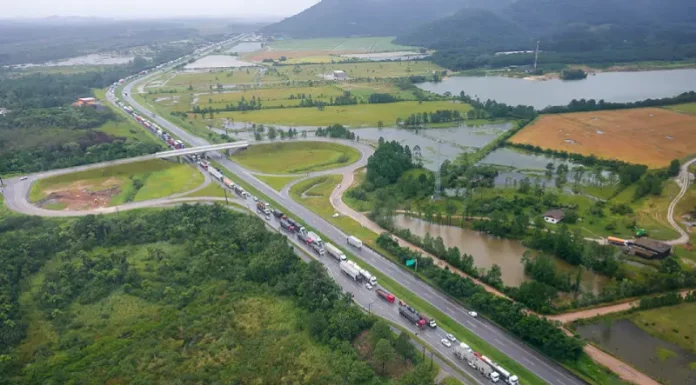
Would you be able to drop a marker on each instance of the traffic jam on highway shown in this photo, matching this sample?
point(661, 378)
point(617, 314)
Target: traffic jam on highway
point(482, 364)
point(478, 362)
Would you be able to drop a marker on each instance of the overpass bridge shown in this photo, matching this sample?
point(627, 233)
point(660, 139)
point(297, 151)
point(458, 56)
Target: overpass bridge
point(200, 149)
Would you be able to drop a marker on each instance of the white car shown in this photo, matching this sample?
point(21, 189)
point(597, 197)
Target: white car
point(473, 314)
point(452, 338)
point(446, 342)
point(369, 286)
point(23, 178)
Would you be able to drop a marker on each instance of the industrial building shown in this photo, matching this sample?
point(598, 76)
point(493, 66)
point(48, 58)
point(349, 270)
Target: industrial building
point(650, 248)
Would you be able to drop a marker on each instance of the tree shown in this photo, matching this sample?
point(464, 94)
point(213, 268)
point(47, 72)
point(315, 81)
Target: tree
point(450, 209)
point(380, 331)
point(383, 354)
point(494, 276)
point(272, 133)
point(674, 167)
point(549, 170)
point(404, 347)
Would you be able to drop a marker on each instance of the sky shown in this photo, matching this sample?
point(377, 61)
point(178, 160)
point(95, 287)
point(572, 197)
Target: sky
point(153, 8)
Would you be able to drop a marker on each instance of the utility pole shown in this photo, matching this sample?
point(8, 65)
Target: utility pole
point(536, 56)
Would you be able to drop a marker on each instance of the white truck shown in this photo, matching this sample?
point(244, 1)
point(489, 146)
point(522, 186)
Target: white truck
point(368, 277)
point(506, 376)
point(475, 360)
point(335, 252)
point(355, 242)
point(350, 271)
point(314, 238)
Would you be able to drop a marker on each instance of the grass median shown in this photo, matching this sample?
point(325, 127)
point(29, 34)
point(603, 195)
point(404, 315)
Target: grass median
point(296, 157)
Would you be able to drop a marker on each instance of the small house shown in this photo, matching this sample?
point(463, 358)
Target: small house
point(554, 216)
point(340, 75)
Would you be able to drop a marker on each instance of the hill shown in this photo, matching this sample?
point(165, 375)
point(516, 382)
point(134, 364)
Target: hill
point(573, 31)
point(332, 18)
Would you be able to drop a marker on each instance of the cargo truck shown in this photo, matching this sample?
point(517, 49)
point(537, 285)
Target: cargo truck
point(411, 315)
point(385, 296)
point(286, 225)
point(504, 375)
point(335, 252)
point(317, 249)
point(355, 242)
point(429, 321)
point(215, 173)
point(368, 277)
point(350, 271)
point(485, 368)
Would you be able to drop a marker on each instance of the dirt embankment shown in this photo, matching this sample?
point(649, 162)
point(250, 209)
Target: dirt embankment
point(80, 199)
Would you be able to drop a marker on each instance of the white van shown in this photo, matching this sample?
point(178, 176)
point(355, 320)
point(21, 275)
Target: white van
point(355, 242)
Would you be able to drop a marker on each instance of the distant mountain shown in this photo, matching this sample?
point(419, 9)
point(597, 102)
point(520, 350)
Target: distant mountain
point(334, 18)
point(561, 25)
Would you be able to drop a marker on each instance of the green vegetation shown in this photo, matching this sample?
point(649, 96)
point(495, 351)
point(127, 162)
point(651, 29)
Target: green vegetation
point(296, 157)
point(352, 115)
point(131, 182)
point(672, 323)
point(687, 108)
point(276, 182)
point(212, 190)
point(136, 288)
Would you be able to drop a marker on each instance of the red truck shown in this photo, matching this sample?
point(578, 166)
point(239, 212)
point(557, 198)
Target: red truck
point(385, 296)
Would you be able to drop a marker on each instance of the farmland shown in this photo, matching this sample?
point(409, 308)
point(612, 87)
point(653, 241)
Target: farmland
point(687, 108)
point(112, 186)
point(324, 50)
point(650, 136)
point(296, 157)
point(354, 115)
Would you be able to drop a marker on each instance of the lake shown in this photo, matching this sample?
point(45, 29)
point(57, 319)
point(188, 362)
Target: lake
point(630, 343)
point(218, 61)
point(488, 250)
point(245, 47)
point(610, 86)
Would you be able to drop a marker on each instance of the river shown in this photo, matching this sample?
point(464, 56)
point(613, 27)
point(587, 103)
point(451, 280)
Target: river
point(488, 250)
point(610, 86)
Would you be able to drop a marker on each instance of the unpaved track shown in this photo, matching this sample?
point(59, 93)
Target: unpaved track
point(684, 180)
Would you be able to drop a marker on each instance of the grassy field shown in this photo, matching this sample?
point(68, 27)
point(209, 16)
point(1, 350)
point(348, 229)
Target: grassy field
point(206, 79)
point(672, 323)
point(353, 70)
point(687, 108)
point(276, 182)
point(296, 157)
point(124, 183)
point(271, 97)
point(649, 136)
point(366, 115)
point(364, 90)
point(211, 190)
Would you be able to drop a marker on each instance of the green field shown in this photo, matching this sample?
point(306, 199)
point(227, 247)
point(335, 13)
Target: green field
point(296, 157)
point(363, 90)
point(276, 182)
point(353, 70)
point(270, 97)
point(365, 115)
point(364, 44)
point(133, 182)
point(688, 108)
point(204, 80)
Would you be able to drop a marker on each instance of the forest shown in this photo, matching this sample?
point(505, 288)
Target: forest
point(195, 294)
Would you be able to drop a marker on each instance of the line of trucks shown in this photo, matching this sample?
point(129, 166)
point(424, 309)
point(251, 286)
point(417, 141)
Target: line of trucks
point(484, 365)
point(153, 127)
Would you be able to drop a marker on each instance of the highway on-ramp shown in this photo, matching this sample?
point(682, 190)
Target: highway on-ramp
point(543, 367)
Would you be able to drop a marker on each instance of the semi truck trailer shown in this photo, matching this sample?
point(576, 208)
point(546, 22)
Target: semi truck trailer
point(350, 271)
point(411, 315)
point(385, 296)
point(334, 252)
point(355, 242)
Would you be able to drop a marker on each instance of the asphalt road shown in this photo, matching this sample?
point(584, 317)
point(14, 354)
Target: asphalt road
point(535, 362)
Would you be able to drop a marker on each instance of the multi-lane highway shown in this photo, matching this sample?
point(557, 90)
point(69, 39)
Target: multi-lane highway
point(543, 367)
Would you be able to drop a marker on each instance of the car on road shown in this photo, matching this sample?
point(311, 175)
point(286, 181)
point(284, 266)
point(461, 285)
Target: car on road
point(473, 314)
point(452, 338)
point(446, 342)
point(369, 286)
point(23, 178)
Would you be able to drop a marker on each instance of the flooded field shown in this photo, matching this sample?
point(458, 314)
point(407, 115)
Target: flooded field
point(245, 47)
point(218, 61)
point(610, 86)
point(86, 60)
point(522, 161)
point(450, 142)
point(657, 358)
point(488, 250)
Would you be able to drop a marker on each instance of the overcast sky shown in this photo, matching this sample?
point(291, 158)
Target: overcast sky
point(153, 8)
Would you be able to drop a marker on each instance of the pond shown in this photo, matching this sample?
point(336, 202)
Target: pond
point(633, 345)
point(610, 86)
point(218, 61)
point(488, 250)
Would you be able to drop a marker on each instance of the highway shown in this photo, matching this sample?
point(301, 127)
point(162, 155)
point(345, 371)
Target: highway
point(535, 362)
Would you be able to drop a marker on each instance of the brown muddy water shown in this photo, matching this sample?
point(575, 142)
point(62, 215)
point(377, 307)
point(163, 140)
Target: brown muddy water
point(630, 343)
point(489, 250)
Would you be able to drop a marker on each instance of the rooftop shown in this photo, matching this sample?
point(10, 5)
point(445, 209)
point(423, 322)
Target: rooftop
point(653, 245)
point(556, 214)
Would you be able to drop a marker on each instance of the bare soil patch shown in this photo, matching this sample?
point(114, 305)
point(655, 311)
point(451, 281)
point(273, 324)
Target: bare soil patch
point(81, 198)
point(649, 136)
